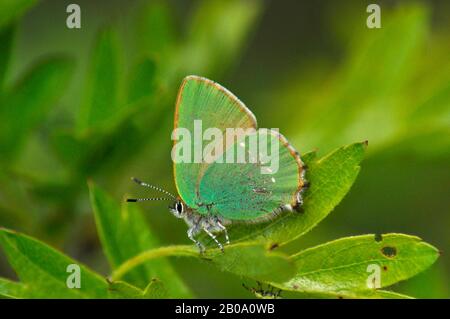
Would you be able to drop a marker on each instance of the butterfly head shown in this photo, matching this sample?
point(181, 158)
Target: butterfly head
point(178, 209)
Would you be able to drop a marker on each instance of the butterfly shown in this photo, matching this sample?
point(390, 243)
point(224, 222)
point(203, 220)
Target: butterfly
point(215, 194)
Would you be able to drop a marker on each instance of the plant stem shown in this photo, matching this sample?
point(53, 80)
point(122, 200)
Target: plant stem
point(130, 264)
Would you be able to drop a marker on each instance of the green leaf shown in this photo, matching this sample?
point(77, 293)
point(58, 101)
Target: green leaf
point(371, 89)
point(70, 148)
point(124, 234)
point(13, 9)
point(247, 259)
point(44, 269)
point(254, 261)
point(155, 28)
point(212, 41)
point(29, 102)
point(345, 294)
point(101, 102)
point(142, 82)
point(6, 39)
point(434, 110)
point(330, 179)
point(11, 289)
point(347, 264)
point(154, 290)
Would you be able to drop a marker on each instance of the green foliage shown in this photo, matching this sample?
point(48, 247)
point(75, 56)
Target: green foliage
point(212, 40)
point(337, 269)
point(390, 86)
point(154, 290)
point(372, 93)
point(29, 101)
point(123, 234)
point(12, 9)
point(342, 265)
point(142, 82)
point(6, 38)
point(330, 178)
point(43, 270)
point(102, 89)
point(10, 289)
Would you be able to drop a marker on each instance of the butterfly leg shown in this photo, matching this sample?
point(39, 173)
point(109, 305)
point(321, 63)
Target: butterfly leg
point(224, 229)
point(213, 237)
point(190, 234)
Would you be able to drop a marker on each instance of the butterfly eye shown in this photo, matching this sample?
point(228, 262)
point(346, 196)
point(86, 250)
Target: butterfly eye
point(179, 207)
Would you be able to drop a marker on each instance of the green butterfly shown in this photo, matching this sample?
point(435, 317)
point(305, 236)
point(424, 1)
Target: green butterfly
point(214, 194)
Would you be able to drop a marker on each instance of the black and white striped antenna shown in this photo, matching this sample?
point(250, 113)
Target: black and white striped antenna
point(139, 182)
point(146, 199)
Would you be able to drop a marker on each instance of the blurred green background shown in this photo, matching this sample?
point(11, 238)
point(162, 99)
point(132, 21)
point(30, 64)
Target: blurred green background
point(97, 103)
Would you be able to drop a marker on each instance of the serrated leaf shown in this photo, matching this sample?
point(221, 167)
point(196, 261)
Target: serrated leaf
point(330, 179)
point(350, 264)
point(27, 104)
point(101, 101)
point(124, 234)
point(44, 269)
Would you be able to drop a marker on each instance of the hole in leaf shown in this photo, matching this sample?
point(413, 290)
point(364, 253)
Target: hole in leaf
point(385, 268)
point(378, 237)
point(389, 251)
point(273, 246)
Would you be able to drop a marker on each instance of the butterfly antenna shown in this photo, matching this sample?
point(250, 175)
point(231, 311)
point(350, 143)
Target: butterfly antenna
point(146, 199)
point(137, 181)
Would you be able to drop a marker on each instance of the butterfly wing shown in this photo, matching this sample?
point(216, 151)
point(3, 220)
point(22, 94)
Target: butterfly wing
point(205, 100)
point(254, 191)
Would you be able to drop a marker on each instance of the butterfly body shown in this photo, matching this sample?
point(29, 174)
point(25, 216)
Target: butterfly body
point(217, 192)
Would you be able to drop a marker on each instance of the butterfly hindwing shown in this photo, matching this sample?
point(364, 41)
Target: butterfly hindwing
point(252, 191)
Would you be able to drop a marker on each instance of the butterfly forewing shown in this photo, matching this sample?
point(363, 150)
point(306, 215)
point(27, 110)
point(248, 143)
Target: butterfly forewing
point(205, 100)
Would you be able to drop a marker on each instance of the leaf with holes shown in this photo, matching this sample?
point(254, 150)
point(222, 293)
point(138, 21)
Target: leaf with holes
point(360, 263)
